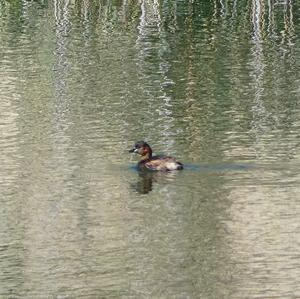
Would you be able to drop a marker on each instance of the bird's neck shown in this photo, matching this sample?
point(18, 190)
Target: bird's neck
point(146, 156)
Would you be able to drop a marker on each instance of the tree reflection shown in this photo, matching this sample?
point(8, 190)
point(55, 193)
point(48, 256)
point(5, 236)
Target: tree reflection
point(179, 52)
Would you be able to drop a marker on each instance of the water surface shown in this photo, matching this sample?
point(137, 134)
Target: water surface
point(214, 84)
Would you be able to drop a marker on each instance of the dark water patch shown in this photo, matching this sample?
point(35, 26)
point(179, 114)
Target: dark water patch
point(218, 167)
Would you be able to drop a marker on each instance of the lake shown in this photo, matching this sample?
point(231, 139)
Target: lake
point(215, 84)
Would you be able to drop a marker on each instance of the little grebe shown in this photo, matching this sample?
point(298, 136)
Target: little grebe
point(161, 163)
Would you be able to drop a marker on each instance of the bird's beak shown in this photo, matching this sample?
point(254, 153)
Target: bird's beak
point(133, 150)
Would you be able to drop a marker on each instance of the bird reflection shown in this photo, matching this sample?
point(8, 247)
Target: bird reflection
point(146, 180)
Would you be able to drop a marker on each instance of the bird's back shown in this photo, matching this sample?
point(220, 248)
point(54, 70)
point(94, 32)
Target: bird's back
point(162, 163)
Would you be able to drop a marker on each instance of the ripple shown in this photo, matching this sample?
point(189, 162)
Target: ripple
point(218, 90)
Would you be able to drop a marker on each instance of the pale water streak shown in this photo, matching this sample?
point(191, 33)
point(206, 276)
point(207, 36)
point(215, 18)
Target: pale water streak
point(214, 84)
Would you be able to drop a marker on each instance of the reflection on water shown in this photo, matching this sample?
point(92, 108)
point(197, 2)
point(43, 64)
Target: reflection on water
point(215, 84)
point(146, 180)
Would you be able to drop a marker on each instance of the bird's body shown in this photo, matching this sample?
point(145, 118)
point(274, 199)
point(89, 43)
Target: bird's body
point(158, 163)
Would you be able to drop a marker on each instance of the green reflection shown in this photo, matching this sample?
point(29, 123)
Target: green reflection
point(210, 82)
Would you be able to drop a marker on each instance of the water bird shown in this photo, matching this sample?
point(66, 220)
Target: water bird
point(159, 163)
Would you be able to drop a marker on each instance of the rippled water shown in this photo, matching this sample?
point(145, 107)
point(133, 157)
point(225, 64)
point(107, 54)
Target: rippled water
point(214, 84)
